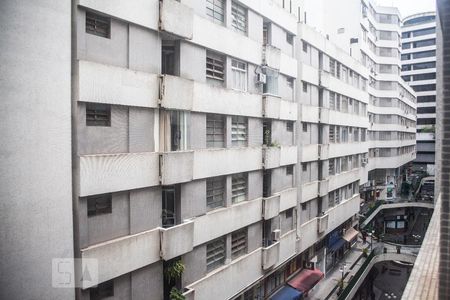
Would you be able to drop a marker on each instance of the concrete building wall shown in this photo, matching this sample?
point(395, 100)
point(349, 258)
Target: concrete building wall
point(35, 152)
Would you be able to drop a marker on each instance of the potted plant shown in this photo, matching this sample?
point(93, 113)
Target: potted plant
point(365, 252)
point(173, 273)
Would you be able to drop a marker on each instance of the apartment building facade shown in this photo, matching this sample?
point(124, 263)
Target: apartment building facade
point(419, 71)
point(185, 122)
point(373, 38)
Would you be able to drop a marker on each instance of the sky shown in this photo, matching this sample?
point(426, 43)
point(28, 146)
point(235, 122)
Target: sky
point(409, 7)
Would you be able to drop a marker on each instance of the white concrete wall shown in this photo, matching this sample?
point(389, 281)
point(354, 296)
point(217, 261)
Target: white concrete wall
point(35, 152)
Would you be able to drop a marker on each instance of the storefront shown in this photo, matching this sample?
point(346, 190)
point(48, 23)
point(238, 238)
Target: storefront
point(335, 248)
point(351, 237)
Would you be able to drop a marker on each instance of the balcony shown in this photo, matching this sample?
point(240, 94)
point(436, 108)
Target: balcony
point(106, 173)
point(310, 113)
point(143, 13)
point(345, 119)
point(342, 179)
point(309, 74)
point(176, 18)
point(310, 152)
point(123, 255)
point(276, 108)
point(288, 198)
point(288, 65)
point(288, 243)
point(270, 255)
point(242, 214)
point(340, 149)
point(101, 83)
point(185, 94)
point(324, 79)
point(271, 207)
point(323, 188)
point(176, 167)
point(309, 191)
point(177, 240)
point(184, 166)
point(275, 157)
point(271, 56)
point(247, 268)
point(322, 223)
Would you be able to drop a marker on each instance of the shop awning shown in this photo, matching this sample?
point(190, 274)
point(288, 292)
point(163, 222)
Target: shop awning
point(337, 245)
point(350, 234)
point(306, 280)
point(287, 293)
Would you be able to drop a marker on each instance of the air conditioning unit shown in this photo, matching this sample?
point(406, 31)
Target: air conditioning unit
point(261, 78)
point(276, 234)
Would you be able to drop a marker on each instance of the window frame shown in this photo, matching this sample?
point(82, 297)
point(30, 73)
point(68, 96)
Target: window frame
point(98, 22)
point(214, 7)
point(239, 11)
point(213, 124)
point(215, 66)
point(242, 71)
point(98, 114)
point(239, 187)
point(215, 188)
point(219, 249)
point(239, 131)
point(239, 243)
point(99, 205)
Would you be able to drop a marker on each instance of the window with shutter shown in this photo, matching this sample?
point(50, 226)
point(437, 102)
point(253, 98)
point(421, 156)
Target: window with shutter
point(238, 243)
point(215, 67)
point(215, 192)
point(239, 131)
point(239, 17)
point(98, 114)
point(99, 205)
point(215, 253)
point(239, 188)
point(215, 11)
point(98, 25)
point(215, 131)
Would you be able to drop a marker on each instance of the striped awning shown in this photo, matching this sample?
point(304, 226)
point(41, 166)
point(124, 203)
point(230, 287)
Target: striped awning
point(350, 234)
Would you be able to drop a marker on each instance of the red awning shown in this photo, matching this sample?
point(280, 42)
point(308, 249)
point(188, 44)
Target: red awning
point(306, 280)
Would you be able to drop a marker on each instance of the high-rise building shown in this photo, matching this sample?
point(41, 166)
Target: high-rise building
point(371, 34)
point(419, 70)
point(224, 140)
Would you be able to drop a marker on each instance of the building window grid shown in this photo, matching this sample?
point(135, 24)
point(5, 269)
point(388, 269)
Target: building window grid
point(215, 131)
point(239, 131)
point(215, 11)
point(215, 192)
point(98, 25)
point(239, 17)
point(239, 75)
point(215, 253)
point(238, 243)
point(99, 205)
point(239, 188)
point(98, 115)
point(215, 68)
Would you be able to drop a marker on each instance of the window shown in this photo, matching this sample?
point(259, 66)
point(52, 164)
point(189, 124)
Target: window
point(289, 213)
point(304, 167)
point(332, 134)
point(271, 85)
point(238, 243)
point(424, 54)
point(424, 31)
point(290, 126)
point(98, 114)
point(332, 67)
point(168, 206)
point(98, 25)
point(215, 11)
point(99, 205)
point(427, 76)
point(305, 127)
point(424, 43)
point(239, 17)
point(103, 290)
point(174, 130)
point(290, 170)
point(215, 131)
point(331, 167)
point(304, 206)
point(168, 58)
point(424, 88)
point(239, 131)
point(305, 87)
point(215, 192)
point(215, 66)
point(215, 253)
point(239, 75)
point(332, 101)
point(305, 46)
point(426, 65)
point(239, 188)
point(289, 38)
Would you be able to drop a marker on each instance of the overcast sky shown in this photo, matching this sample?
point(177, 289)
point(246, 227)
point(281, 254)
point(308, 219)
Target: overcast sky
point(409, 7)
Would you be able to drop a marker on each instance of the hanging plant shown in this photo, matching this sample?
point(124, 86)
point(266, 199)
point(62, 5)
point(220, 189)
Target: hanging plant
point(175, 271)
point(175, 294)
